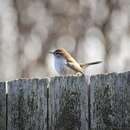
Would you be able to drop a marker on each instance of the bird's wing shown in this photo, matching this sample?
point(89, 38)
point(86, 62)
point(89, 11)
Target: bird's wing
point(74, 67)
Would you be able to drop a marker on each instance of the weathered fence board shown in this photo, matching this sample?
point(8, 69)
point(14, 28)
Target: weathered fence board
point(68, 103)
point(110, 102)
point(2, 106)
point(27, 104)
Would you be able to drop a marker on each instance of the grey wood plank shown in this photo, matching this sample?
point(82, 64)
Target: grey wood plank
point(110, 102)
point(68, 103)
point(27, 104)
point(2, 106)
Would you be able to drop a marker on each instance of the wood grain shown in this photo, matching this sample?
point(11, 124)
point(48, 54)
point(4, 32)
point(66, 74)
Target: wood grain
point(110, 102)
point(2, 106)
point(27, 104)
point(68, 103)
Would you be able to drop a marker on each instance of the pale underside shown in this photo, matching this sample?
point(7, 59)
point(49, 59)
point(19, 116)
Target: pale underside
point(64, 67)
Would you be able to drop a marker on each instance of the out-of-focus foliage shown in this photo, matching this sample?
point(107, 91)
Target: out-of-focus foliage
point(89, 29)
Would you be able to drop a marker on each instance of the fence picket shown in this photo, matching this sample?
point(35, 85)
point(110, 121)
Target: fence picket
point(68, 103)
point(2, 106)
point(110, 102)
point(27, 104)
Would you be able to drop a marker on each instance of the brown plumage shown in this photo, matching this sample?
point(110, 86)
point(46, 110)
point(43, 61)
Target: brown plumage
point(71, 62)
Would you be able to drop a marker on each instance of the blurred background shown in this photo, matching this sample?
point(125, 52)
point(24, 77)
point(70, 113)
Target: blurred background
point(90, 30)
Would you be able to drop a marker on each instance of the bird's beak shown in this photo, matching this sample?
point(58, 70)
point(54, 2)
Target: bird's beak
point(50, 52)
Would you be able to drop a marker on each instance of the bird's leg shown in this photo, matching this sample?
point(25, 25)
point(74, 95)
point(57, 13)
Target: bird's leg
point(78, 73)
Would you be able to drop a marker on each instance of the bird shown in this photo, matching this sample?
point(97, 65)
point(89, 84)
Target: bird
point(64, 63)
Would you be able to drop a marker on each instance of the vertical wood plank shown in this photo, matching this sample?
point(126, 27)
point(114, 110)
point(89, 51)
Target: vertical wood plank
point(110, 102)
point(27, 104)
point(2, 106)
point(68, 103)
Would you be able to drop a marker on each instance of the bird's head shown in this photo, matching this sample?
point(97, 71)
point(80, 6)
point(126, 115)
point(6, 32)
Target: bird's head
point(60, 53)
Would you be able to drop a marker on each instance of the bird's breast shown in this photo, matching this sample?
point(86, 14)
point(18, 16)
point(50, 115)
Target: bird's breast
point(60, 65)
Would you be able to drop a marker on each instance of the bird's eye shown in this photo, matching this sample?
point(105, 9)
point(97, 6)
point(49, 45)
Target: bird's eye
point(58, 55)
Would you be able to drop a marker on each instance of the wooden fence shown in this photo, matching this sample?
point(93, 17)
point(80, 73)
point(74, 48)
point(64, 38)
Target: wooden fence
point(66, 103)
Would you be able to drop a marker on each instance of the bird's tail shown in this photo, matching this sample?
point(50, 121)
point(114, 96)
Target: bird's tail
point(88, 64)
